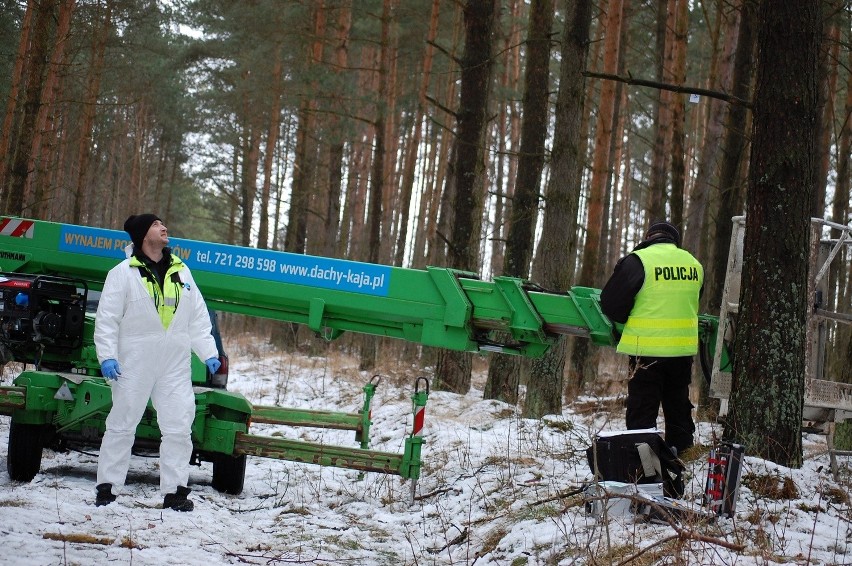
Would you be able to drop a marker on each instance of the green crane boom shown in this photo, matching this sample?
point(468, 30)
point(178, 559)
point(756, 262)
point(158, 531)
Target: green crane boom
point(438, 307)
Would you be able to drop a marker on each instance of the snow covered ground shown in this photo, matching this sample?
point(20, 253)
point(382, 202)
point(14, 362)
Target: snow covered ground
point(492, 491)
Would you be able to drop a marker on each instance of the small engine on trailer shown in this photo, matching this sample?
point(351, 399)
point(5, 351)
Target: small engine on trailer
point(40, 314)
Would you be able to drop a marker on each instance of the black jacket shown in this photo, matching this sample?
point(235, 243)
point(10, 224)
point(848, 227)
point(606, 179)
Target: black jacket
point(156, 268)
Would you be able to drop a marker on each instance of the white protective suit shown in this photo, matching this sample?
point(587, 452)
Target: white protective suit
point(154, 363)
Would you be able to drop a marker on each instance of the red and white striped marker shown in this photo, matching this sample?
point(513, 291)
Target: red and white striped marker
point(419, 418)
point(16, 227)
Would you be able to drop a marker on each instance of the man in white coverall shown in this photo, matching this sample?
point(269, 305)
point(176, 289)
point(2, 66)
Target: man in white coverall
point(150, 315)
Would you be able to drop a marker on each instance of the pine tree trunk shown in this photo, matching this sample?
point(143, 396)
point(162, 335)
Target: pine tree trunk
point(437, 232)
point(519, 242)
point(36, 63)
point(248, 181)
point(616, 137)
point(378, 174)
point(426, 209)
point(502, 383)
point(453, 368)
point(557, 249)
point(731, 178)
point(678, 148)
point(332, 225)
point(662, 117)
point(620, 192)
point(90, 97)
point(390, 192)
point(830, 54)
point(768, 381)
point(281, 150)
point(583, 360)
point(304, 167)
point(502, 188)
point(17, 82)
point(840, 356)
point(44, 138)
point(413, 149)
point(269, 151)
point(708, 161)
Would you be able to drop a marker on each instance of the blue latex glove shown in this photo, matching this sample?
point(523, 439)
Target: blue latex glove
point(213, 364)
point(110, 369)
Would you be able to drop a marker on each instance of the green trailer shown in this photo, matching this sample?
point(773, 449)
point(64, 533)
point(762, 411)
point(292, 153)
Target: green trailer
point(60, 399)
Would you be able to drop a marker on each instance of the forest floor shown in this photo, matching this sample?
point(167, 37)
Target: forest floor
point(495, 488)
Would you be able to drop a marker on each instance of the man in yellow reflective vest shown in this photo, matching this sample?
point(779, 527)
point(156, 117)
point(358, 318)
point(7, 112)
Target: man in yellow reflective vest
point(653, 292)
point(150, 317)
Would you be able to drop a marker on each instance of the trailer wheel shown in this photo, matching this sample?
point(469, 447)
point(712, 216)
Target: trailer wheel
point(229, 473)
point(26, 442)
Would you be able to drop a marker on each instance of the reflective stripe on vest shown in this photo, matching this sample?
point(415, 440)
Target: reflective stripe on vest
point(664, 318)
point(167, 298)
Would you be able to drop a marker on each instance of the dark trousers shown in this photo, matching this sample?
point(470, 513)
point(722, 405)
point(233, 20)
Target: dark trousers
point(655, 381)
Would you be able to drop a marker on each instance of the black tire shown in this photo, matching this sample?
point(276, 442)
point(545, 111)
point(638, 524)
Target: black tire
point(26, 441)
point(229, 473)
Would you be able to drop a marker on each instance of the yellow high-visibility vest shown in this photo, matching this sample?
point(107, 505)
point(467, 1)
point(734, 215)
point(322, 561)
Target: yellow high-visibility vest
point(167, 297)
point(664, 318)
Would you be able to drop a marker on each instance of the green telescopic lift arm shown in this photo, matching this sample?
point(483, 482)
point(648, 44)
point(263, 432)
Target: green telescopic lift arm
point(435, 306)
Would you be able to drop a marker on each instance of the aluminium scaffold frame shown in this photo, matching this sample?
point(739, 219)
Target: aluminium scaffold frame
point(826, 400)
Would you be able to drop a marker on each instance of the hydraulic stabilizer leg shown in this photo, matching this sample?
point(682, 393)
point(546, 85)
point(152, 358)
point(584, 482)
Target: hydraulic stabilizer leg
point(362, 435)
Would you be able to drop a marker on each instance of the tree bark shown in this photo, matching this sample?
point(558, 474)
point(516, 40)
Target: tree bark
point(269, 150)
point(306, 150)
point(453, 368)
point(336, 149)
point(378, 174)
point(503, 375)
point(708, 161)
point(731, 180)
point(44, 137)
point(840, 358)
point(503, 188)
point(445, 123)
point(829, 56)
point(768, 380)
point(678, 164)
point(615, 141)
point(553, 265)
point(583, 360)
point(36, 63)
point(388, 105)
point(662, 117)
point(90, 98)
point(621, 191)
point(248, 178)
point(17, 82)
point(732, 175)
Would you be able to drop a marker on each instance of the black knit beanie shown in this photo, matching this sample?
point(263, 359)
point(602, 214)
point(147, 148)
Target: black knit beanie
point(666, 228)
point(137, 226)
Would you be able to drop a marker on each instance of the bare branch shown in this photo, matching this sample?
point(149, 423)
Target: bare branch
point(673, 88)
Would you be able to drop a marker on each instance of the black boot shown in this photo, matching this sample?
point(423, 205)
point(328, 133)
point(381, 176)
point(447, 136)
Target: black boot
point(178, 500)
point(104, 496)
